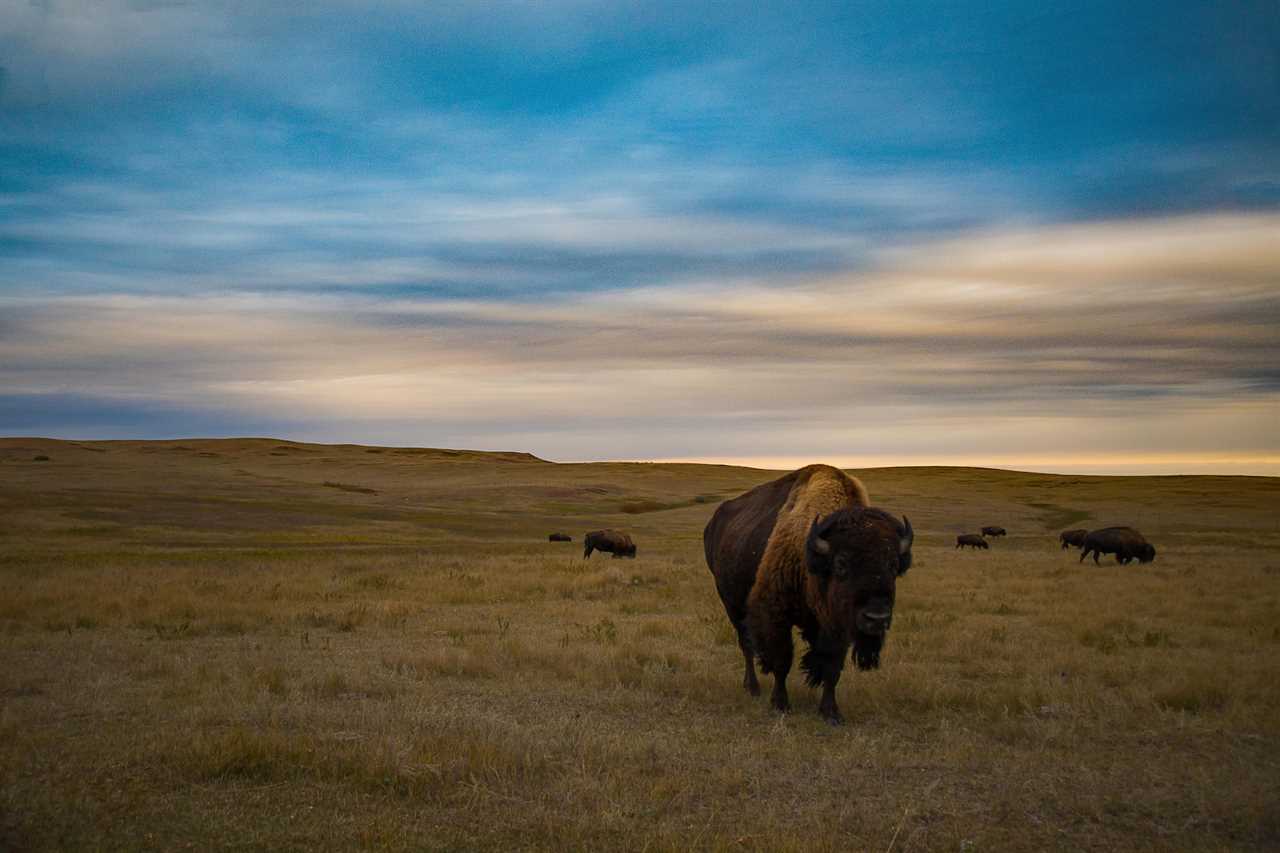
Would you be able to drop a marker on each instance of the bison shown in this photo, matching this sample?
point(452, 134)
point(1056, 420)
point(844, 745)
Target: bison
point(973, 540)
point(1072, 538)
point(1125, 542)
point(559, 537)
point(994, 531)
point(808, 551)
point(613, 541)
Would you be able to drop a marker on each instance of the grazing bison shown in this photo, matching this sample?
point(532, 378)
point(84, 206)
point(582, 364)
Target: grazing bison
point(1072, 538)
point(559, 537)
point(614, 541)
point(973, 540)
point(994, 531)
point(1125, 542)
point(807, 551)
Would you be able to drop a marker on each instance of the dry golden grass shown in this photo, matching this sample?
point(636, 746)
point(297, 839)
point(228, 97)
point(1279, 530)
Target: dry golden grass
point(255, 644)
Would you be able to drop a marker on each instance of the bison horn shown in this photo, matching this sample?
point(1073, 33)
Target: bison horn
point(907, 537)
point(819, 545)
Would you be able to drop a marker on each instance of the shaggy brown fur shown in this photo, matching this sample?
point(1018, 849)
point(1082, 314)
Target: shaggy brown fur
point(771, 573)
point(1070, 538)
point(613, 541)
point(1125, 542)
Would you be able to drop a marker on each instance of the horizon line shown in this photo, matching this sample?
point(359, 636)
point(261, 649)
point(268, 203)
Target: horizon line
point(1105, 465)
point(1111, 464)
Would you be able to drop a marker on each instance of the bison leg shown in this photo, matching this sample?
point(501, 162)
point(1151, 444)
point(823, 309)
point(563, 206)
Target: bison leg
point(586, 551)
point(827, 707)
point(772, 642)
point(781, 701)
point(1084, 552)
point(749, 681)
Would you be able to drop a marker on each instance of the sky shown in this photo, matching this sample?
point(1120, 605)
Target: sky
point(1029, 235)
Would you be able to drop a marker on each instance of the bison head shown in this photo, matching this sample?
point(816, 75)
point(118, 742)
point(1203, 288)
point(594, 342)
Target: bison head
point(857, 555)
point(1146, 553)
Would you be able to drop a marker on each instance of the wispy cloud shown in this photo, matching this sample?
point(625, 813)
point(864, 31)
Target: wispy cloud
point(997, 343)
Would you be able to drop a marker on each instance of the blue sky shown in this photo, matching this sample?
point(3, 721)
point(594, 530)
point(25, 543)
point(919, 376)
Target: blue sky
point(1020, 234)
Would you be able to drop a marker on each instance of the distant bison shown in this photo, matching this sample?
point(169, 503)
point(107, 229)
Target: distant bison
point(807, 551)
point(613, 541)
point(1072, 538)
point(1125, 542)
point(994, 531)
point(973, 540)
point(559, 537)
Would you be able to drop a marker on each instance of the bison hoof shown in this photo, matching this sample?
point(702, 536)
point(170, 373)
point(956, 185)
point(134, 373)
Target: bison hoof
point(834, 718)
point(751, 687)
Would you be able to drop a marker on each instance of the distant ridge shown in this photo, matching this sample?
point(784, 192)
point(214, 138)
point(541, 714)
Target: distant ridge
point(266, 445)
point(285, 447)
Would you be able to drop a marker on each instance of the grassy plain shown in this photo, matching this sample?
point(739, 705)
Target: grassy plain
point(255, 644)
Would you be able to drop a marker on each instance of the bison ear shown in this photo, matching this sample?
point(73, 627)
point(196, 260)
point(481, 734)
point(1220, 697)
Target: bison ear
point(905, 537)
point(817, 551)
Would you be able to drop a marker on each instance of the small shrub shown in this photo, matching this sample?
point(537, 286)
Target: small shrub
point(348, 487)
point(654, 629)
point(274, 680)
point(379, 581)
point(1193, 697)
point(604, 632)
point(1157, 639)
point(637, 507)
point(353, 618)
point(331, 686)
point(1099, 641)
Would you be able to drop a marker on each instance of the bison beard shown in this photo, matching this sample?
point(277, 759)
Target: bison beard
point(866, 655)
point(866, 650)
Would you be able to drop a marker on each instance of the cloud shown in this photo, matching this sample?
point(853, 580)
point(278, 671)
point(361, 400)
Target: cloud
point(1001, 342)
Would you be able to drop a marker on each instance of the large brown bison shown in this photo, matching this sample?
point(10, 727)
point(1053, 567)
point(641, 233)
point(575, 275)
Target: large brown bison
point(1125, 542)
point(1072, 538)
point(559, 537)
point(973, 540)
point(807, 550)
point(994, 531)
point(613, 541)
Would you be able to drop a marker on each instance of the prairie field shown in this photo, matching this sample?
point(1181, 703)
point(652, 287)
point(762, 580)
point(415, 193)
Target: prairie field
point(254, 644)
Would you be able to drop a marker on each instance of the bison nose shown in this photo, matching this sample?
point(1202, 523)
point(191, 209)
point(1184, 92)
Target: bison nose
point(874, 620)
